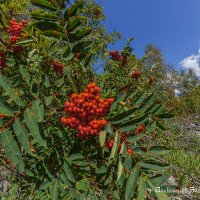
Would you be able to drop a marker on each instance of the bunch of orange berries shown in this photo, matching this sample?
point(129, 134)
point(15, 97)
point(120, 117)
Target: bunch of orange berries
point(86, 112)
point(15, 31)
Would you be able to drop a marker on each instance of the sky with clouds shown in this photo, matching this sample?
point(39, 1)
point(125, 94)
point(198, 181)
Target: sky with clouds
point(171, 25)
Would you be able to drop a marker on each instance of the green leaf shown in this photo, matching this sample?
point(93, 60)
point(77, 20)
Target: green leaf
point(74, 23)
point(73, 9)
point(44, 4)
point(164, 115)
point(25, 74)
point(119, 118)
point(5, 108)
point(161, 126)
point(159, 150)
point(101, 170)
point(46, 26)
point(69, 57)
point(55, 34)
point(102, 138)
point(115, 145)
point(32, 125)
point(116, 194)
point(46, 81)
point(158, 109)
point(24, 42)
point(159, 180)
point(153, 165)
point(131, 124)
point(54, 192)
point(170, 190)
point(48, 100)
point(141, 189)
point(38, 110)
point(135, 137)
point(117, 100)
point(131, 184)
point(79, 34)
point(157, 194)
point(45, 185)
point(6, 84)
point(88, 59)
point(75, 156)
point(141, 98)
point(120, 169)
point(44, 16)
point(82, 185)
point(12, 150)
point(109, 128)
point(80, 46)
point(22, 136)
point(10, 62)
point(68, 173)
point(60, 82)
point(64, 179)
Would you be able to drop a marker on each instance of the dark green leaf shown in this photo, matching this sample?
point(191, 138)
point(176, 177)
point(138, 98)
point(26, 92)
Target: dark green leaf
point(5, 108)
point(131, 184)
point(159, 180)
point(131, 124)
point(123, 116)
point(46, 26)
point(44, 4)
point(24, 42)
point(164, 115)
point(68, 173)
point(45, 16)
point(141, 189)
point(153, 165)
point(159, 150)
point(80, 46)
point(54, 192)
point(12, 150)
point(115, 145)
point(79, 34)
point(83, 185)
point(55, 34)
point(32, 125)
point(22, 136)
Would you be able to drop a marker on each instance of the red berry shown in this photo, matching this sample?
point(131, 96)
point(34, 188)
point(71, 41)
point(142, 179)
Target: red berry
point(129, 151)
point(63, 120)
point(8, 162)
point(136, 74)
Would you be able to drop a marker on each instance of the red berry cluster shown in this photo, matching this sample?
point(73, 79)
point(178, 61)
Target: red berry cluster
point(86, 111)
point(3, 59)
point(136, 74)
point(123, 138)
point(116, 56)
point(15, 31)
point(110, 143)
point(140, 129)
point(58, 66)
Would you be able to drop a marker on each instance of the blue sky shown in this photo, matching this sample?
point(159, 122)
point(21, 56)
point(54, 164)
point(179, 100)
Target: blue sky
point(171, 25)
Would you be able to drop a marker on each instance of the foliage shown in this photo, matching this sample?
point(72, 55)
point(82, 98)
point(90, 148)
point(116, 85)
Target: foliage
point(53, 64)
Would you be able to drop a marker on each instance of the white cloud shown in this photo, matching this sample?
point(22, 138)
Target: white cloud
point(192, 62)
